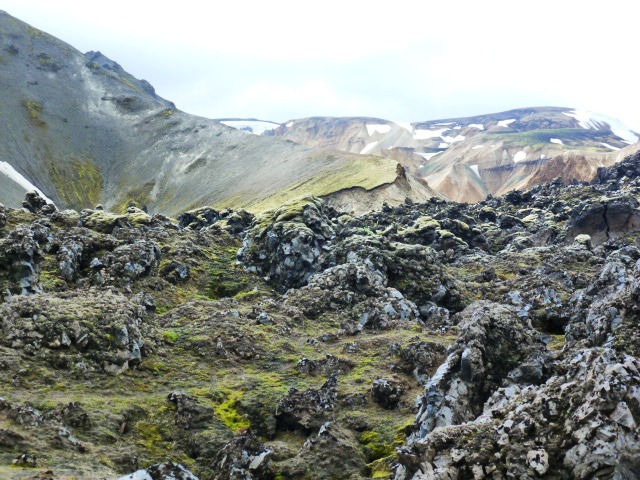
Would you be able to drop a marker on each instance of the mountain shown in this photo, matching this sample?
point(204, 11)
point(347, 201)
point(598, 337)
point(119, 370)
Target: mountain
point(429, 340)
point(468, 158)
point(81, 130)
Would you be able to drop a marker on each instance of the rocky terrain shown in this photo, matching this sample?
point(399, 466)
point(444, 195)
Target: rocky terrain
point(466, 159)
point(82, 131)
point(431, 340)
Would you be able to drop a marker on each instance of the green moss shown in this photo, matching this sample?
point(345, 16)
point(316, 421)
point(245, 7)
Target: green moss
point(154, 366)
point(226, 278)
point(542, 137)
point(558, 342)
point(381, 468)
point(78, 182)
point(170, 336)
point(34, 32)
point(374, 447)
point(250, 296)
point(34, 109)
point(229, 414)
point(154, 433)
point(367, 172)
point(139, 196)
point(50, 277)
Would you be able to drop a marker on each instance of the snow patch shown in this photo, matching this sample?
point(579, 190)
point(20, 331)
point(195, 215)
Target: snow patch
point(457, 127)
point(427, 156)
point(457, 138)
point(506, 123)
point(424, 134)
point(476, 147)
point(556, 140)
point(139, 475)
point(377, 127)
point(405, 125)
point(257, 127)
point(610, 146)
point(519, 157)
point(443, 145)
point(589, 120)
point(289, 124)
point(17, 177)
point(479, 126)
point(446, 123)
point(369, 147)
point(475, 170)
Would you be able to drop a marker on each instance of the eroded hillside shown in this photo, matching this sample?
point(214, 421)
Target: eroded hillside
point(83, 131)
point(468, 158)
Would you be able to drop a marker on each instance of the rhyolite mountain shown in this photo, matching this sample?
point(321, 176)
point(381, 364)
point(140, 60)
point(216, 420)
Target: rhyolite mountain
point(82, 131)
point(468, 158)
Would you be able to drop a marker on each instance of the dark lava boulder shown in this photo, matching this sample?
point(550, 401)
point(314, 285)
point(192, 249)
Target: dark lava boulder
point(492, 345)
point(286, 244)
point(162, 471)
point(72, 328)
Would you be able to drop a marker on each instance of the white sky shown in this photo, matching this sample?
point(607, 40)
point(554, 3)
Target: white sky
point(407, 60)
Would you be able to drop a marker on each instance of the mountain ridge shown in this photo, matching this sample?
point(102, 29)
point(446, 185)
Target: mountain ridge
point(83, 131)
point(467, 158)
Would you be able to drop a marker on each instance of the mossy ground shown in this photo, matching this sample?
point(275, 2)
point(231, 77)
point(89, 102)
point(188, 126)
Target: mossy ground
point(204, 340)
point(78, 182)
point(368, 173)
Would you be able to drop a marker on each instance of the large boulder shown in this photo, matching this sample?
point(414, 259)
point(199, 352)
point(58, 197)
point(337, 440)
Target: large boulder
point(243, 458)
point(285, 244)
point(99, 328)
point(581, 423)
point(307, 411)
point(161, 471)
point(495, 348)
point(21, 254)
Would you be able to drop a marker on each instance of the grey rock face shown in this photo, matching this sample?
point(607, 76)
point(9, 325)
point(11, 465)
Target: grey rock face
point(286, 244)
point(493, 341)
point(21, 254)
point(308, 410)
point(386, 393)
point(243, 458)
point(104, 329)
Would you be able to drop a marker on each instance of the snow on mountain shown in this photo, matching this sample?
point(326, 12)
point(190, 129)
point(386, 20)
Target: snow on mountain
point(424, 134)
point(506, 123)
point(257, 127)
point(380, 128)
point(519, 157)
point(427, 156)
point(406, 125)
point(13, 174)
point(589, 120)
point(609, 146)
point(369, 147)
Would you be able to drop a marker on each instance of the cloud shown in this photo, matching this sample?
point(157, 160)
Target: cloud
point(406, 60)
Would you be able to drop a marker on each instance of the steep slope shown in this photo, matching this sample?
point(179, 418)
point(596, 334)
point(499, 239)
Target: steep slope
point(84, 132)
point(468, 158)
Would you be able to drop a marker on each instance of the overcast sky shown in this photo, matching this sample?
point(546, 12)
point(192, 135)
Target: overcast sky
point(399, 60)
